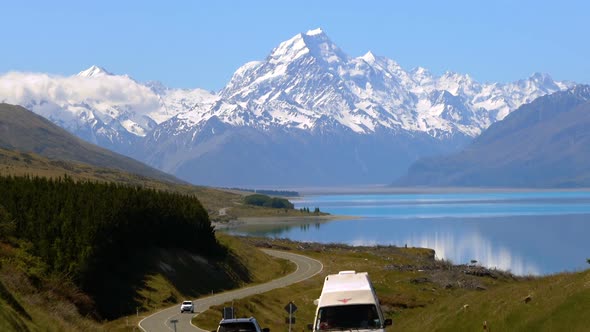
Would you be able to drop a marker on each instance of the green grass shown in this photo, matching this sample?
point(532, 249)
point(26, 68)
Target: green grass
point(416, 300)
point(429, 300)
point(13, 316)
point(557, 303)
point(268, 308)
point(32, 301)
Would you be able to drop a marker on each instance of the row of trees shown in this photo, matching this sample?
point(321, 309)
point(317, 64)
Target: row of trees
point(306, 210)
point(81, 229)
point(267, 201)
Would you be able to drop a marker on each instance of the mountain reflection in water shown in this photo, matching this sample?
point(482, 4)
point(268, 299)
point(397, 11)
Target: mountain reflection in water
point(526, 233)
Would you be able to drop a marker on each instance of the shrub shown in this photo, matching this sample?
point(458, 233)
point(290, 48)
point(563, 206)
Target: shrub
point(267, 201)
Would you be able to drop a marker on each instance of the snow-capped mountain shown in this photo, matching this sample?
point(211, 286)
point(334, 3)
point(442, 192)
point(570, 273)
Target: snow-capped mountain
point(308, 76)
point(542, 144)
point(113, 111)
point(94, 71)
point(308, 113)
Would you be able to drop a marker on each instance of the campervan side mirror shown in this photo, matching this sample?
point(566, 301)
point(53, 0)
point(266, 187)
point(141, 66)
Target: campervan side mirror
point(266, 329)
point(388, 322)
point(310, 327)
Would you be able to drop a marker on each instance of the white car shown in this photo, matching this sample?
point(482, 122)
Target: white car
point(187, 306)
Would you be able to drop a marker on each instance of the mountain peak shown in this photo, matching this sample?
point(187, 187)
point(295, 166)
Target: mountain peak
point(315, 32)
point(451, 75)
point(540, 80)
point(94, 71)
point(369, 57)
point(540, 77)
point(421, 73)
point(314, 42)
point(420, 70)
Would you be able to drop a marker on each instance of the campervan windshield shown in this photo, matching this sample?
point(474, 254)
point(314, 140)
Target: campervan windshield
point(357, 316)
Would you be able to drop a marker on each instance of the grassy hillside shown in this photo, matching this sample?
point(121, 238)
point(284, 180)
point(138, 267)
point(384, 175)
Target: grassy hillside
point(34, 301)
point(553, 303)
point(23, 130)
point(422, 294)
point(16, 163)
point(221, 204)
point(102, 251)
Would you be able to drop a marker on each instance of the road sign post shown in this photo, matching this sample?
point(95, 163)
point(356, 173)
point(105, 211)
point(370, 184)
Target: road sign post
point(228, 312)
point(174, 321)
point(290, 308)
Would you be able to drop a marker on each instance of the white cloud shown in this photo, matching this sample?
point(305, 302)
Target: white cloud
point(18, 87)
point(71, 98)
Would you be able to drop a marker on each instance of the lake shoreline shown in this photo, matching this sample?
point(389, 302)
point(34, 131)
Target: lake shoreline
point(491, 228)
point(383, 189)
point(283, 221)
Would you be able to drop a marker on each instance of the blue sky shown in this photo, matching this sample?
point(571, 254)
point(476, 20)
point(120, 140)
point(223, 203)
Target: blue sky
point(193, 44)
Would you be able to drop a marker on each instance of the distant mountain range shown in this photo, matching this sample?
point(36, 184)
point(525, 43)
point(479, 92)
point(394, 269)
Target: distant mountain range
point(545, 143)
point(308, 114)
point(24, 131)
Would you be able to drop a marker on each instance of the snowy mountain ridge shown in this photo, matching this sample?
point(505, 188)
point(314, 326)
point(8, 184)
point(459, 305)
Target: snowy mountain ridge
point(303, 79)
point(307, 77)
point(306, 88)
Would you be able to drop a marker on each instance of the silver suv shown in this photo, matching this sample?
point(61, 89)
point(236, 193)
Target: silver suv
point(240, 325)
point(187, 306)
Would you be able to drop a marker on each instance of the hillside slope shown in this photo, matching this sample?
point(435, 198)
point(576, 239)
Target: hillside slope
point(221, 204)
point(33, 302)
point(92, 251)
point(423, 294)
point(25, 131)
point(542, 144)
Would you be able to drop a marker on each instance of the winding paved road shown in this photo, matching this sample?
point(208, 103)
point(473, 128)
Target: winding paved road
point(161, 320)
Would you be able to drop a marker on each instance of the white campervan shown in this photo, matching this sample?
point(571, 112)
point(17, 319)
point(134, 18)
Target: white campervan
point(349, 302)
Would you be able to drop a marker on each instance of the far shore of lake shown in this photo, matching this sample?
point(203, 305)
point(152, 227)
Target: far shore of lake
point(384, 189)
point(254, 221)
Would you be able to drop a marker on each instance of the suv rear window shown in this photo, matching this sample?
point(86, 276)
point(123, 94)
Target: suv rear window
point(237, 327)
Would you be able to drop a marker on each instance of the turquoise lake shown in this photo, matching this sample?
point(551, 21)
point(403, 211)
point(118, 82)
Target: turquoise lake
point(525, 232)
